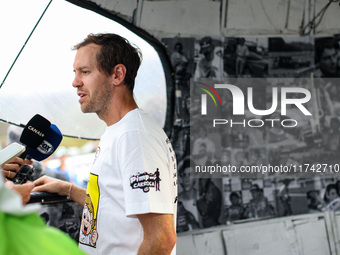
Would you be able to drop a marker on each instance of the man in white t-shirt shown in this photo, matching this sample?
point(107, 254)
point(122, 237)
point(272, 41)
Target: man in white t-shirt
point(130, 202)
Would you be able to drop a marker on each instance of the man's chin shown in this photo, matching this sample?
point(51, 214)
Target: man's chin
point(84, 109)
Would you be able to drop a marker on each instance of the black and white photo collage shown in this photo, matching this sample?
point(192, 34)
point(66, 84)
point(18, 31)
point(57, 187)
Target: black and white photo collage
point(269, 106)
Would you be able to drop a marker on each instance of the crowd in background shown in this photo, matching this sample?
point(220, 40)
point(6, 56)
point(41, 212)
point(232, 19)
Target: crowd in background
point(217, 199)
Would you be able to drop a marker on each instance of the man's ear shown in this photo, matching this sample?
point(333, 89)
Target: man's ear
point(118, 74)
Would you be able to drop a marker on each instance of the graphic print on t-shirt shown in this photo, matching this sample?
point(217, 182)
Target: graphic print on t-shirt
point(88, 229)
point(145, 181)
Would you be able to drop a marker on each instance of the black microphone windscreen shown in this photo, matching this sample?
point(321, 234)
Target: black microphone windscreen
point(35, 131)
point(48, 146)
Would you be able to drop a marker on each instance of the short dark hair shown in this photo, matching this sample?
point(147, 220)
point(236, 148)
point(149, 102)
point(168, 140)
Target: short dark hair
point(329, 187)
point(234, 194)
point(178, 44)
point(115, 50)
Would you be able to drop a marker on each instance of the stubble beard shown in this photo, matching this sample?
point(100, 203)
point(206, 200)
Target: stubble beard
point(99, 101)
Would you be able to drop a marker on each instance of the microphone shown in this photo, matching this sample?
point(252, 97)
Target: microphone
point(43, 151)
point(34, 133)
point(48, 145)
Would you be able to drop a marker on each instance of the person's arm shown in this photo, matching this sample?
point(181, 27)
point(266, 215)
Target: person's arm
point(62, 188)
point(159, 234)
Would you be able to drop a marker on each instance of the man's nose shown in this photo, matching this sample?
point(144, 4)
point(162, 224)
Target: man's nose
point(77, 82)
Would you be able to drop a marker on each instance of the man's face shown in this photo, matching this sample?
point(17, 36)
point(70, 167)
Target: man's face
point(234, 200)
point(178, 48)
point(206, 50)
point(203, 149)
point(332, 194)
point(255, 193)
point(186, 180)
point(328, 61)
point(93, 87)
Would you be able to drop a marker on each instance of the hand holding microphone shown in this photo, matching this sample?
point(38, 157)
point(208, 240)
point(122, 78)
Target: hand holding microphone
point(41, 139)
point(43, 151)
point(32, 136)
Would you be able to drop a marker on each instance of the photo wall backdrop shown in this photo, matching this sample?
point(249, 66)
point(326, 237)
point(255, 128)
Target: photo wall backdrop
point(306, 146)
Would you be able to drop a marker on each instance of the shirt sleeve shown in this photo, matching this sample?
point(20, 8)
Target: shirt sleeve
point(145, 163)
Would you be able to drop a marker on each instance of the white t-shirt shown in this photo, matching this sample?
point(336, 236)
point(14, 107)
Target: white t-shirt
point(134, 172)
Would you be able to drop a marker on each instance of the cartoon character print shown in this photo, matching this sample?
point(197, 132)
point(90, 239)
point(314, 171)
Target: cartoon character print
point(145, 181)
point(88, 228)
